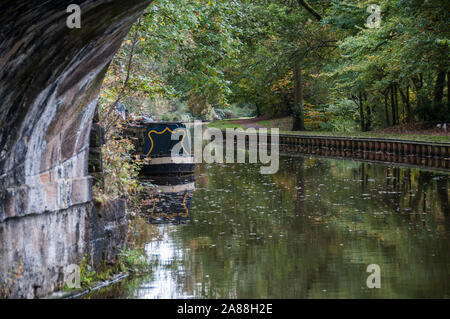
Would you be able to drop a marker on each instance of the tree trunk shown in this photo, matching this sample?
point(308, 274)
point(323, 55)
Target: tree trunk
point(394, 114)
point(299, 124)
point(397, 110)
point(258, 109)
point(448, 92)
point(386, 97)
point(439, 88)
point(361, 113)
point(369, 113)
point(418, 85)
point(409, 115)
point(310, 9)
point(405, 98)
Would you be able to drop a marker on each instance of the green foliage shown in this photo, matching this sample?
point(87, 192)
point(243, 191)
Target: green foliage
point(89, 277)
point(195, 40)
point(276, 37)
point(131, 260)
point(134, 261)
point(209, 56)
point(404, 54)
point(342, 116)
point(120, 171)
point(433, 112)
point(87, 274)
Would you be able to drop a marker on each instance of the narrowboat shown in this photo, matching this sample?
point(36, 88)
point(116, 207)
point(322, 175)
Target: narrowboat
point(166, 144)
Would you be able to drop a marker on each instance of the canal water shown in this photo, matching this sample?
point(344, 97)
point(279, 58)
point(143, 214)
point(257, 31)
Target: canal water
point(308, 231)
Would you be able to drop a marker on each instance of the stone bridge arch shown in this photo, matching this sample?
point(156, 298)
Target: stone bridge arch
point(50, 77)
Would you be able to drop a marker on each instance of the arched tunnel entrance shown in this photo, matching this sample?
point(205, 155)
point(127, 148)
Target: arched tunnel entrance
point(50, 76)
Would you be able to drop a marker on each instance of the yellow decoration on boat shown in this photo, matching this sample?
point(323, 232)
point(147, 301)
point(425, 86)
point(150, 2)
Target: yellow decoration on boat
point(162, 132)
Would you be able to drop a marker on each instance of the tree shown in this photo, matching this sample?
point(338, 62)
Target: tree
point(295, 57)
point(406, 59)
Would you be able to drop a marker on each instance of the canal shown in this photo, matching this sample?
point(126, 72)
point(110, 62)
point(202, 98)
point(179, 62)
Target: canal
point(308, 231)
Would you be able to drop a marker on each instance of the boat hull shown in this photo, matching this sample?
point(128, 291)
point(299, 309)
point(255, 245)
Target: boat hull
point(169, 165)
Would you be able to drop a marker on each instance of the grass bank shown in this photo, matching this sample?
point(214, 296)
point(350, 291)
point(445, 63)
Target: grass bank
point(223, 124)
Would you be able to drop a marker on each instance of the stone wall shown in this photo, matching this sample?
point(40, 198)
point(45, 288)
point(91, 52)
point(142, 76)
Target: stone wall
point(36, 250)
point(108, 226)
point(50, 77)
point(96, 141)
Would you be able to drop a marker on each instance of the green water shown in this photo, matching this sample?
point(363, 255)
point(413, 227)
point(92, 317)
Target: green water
point(309, 231)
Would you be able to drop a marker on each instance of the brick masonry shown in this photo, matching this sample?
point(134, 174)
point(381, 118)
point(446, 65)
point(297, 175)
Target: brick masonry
point(50, 77)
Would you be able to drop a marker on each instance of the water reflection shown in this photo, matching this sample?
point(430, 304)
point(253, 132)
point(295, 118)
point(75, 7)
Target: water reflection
point(169, 199)
point(308, 231)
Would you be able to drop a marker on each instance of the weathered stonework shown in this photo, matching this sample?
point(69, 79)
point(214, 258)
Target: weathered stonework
point(96, 141)
point(50, 77)
point(36, 249)
point(108, 230)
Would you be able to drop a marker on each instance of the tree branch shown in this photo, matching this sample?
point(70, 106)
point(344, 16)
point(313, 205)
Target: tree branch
point(125, 83)
point(310, 9)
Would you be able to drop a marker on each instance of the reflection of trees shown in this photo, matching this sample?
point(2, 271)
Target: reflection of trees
point(300, 186)
point(286, 236)
point(420, 197)
point(443, 194)
point(409, 227)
